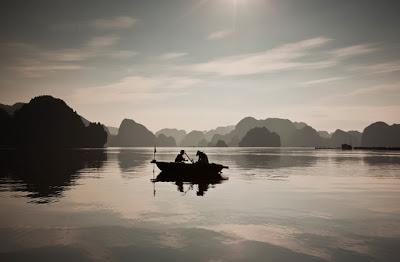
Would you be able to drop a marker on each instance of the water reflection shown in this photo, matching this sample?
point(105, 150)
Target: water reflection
point(272, 161)
point(131, 160)
point(379, 160)
point(45, 175)
point(202, 183)
point(334, 206)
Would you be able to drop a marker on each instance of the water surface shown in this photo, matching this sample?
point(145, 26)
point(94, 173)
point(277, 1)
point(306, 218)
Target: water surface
point(285, 204)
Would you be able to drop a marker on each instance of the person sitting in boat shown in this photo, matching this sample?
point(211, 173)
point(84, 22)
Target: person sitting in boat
point(179, 158)
point(203, 158)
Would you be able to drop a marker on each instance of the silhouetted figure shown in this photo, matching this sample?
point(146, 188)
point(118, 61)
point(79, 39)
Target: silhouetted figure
point(203, 158)
point(179, 158)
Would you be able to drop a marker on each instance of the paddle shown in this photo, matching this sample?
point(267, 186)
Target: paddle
point(191, 160)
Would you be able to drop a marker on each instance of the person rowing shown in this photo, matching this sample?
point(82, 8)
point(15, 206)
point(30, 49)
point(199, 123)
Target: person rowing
point(180, 158)
point(203, 158)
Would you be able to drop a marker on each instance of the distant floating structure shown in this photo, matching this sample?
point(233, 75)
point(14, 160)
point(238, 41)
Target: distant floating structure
point(347, 147)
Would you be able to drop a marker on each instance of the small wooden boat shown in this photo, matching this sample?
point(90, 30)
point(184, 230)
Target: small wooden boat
point(202, 175)
point(189, 168)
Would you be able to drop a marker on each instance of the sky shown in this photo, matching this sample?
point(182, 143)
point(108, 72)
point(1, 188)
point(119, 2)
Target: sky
point(199, 64)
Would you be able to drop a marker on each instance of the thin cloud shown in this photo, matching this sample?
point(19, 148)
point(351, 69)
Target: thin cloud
point(93, 47)
point(36, 61)
point(170, 56)
point(122, 54)
point(377, 89)
point(354, 50)
point(136, 87)
point(102, 41)
point(302, 55)
point(39, 70)
point(277, 59)
point(119, 22)
point(379, 68)
point(217, 35)
point(322, 81)
point(65, 55)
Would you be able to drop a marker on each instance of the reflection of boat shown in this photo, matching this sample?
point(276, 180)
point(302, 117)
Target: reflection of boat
point(209, 178)
point(194, 169)
point(202, 181)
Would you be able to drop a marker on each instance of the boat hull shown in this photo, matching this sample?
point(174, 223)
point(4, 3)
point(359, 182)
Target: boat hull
point(183, 168)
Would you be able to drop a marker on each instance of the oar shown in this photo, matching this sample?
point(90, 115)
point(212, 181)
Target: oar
point(191, 160)
point(153, 180)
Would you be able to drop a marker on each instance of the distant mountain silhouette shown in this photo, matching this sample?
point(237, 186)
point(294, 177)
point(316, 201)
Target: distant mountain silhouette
point(193, 139)
point(201, 138)
point(109, 129)
point(380, 134)
point(243, 126)
point(217, 141)
point(178, 135)
point(203, 143)
point(221, 143)
point(340, 137)
point(291, 133)
point(306, 137)
point(297, 125)
point(216, 138)
point(324, 134)
point(132, 134)
point(7, 138)
point(112, 130)
point(356, 137)
point(48, 122)
point(283, 127)
point(85, 121)
point(165, 141)
point(11, 109)
point(221, 130)
point(260, 137)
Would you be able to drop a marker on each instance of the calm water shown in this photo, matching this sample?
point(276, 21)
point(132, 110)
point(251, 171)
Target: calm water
point(278, 205)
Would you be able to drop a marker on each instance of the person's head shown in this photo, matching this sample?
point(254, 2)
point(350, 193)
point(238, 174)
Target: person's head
point(198, 153)
point(182, 152)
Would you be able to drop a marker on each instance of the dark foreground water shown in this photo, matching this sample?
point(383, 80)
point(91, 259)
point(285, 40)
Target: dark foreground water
point(278, 205)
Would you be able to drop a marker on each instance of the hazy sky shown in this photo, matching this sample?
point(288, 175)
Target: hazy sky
point(198, 64)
